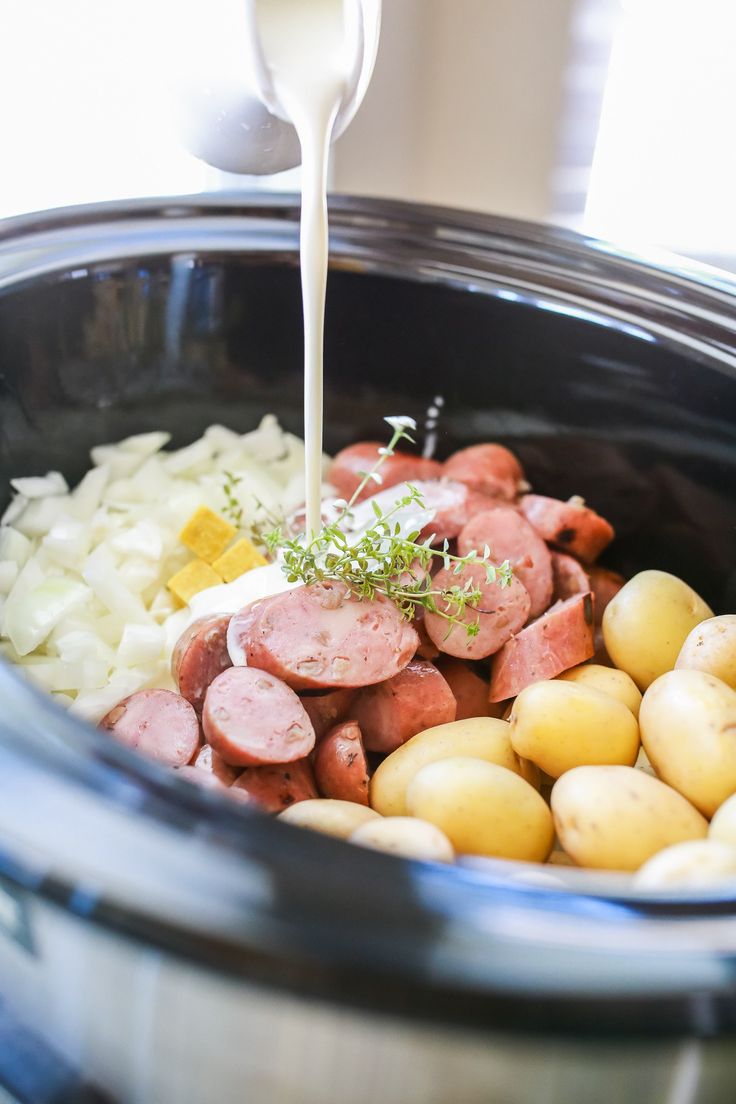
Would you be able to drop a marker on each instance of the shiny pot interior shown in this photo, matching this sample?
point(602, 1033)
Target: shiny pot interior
point(612, 378)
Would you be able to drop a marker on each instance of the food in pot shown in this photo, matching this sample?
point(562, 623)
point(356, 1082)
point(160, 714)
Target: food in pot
point(353, 682)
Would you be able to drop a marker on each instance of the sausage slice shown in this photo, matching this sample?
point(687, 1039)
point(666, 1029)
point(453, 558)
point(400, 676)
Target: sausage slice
point(275, 787)
point(569, 577)
point(561, 638)
point(326, 709)
point(509, 536)
point(158, 723)
point(321, 637)
point(392, 712)
point(199, 656)
point(469, 689)
point(340, 765)
point(605, 585)
point(250, 717)
point(207, 761)
point(348, 466)
point(570, 526)
point(491, 469)
point(501, 612)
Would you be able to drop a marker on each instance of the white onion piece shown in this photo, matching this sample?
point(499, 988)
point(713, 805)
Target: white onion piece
point(87, 495)
point(14, 510)
point(14, 545)
point(140, 644)
point(29, 618)
point(8, 575)
point(92, 705)
point(40, 486)
point(142, 539)
point(101, 573)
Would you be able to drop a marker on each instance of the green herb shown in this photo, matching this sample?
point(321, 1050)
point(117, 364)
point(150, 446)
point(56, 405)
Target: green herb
point(233, 510)
point(383, 561)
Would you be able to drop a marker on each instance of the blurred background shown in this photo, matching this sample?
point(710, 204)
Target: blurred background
point(614, 117)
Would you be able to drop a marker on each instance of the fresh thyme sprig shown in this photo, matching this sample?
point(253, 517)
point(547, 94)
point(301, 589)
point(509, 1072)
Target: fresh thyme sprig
point(383, 560)
point(233, 510)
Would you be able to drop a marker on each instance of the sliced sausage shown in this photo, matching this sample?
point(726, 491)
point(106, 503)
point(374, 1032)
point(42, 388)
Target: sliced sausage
point(340, 765)
point(158, 723)
point(491, 469)
point(321, 637)
point(392, 712)
point(427, 648)
point(570, 526)
point(605, 585)
point(250, 717)
point(207, 761)
point(200, 655)
point(510, 537)
point(569, 577)
point(351, 463)
point(501, 612)
point(200, 778)
point(469, 689)
point(275, 787)
point(325, 709)
point(561, 638)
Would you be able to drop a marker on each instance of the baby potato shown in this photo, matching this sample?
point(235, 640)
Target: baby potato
point(647, 622)
point(481, 737)
point(560, 725)
point(609, 680)
point(711, 647)
point(723, 824)
point(406, 836)
point(483, 809)
point(615, 818)
point(328, 815)
point(688, 728)
point(691, 864)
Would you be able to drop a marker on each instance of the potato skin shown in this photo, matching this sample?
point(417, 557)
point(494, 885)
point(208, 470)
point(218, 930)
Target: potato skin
point(688, 865)
point(609, 680)
point(408, 837)
point(615, 818)
point(723, 824)
point(688, 729)
point(483, 809)
point(711, 647)
point(647, 622)
point(481, 737)
point(329, 815)
point(560, 725)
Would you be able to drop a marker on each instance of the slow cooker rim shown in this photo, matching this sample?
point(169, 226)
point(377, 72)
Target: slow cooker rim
point(120, 760)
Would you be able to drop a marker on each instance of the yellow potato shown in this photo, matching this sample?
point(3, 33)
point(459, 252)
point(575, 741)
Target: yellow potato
point(609, 680)
point(406, 836)
point(688, 728)
point(615, 818)
point(723, 824)
point(561, 725)
point(483, 809)
point(646, 623)
point(334, 818)
point(711, 647)
point(691, 864)
point(481, 737)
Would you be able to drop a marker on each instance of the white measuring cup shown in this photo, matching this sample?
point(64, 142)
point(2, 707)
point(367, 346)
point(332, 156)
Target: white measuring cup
point(229, 111)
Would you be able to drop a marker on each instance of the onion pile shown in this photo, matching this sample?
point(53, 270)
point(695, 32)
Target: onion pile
point(84, 609)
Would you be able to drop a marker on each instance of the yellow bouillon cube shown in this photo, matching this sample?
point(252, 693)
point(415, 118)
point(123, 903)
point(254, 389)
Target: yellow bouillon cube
point(206, 534)
point(242, 557)
point(196, 576)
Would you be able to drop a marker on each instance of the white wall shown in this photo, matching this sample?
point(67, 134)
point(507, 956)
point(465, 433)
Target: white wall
point(464, 107)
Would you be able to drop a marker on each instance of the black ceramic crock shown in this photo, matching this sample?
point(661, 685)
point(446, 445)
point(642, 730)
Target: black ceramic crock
point(160, 944)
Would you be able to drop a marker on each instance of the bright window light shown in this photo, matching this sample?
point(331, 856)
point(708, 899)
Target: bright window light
point(664, 171)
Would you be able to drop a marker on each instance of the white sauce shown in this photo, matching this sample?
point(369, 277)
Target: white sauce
point(304, 44)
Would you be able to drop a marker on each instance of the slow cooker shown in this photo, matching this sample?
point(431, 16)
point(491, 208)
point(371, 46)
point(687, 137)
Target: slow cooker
point(158, 945)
